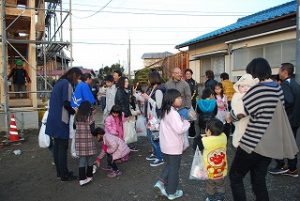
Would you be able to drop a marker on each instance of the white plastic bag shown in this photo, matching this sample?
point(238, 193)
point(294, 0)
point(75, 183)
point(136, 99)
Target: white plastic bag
point(186, 142)
point(44, 139)
point(198, 171)
point(141, 129)
point(72, 133)
point(130, 134)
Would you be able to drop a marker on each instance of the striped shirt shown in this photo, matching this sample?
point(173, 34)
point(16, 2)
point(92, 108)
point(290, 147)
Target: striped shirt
point(260, 103)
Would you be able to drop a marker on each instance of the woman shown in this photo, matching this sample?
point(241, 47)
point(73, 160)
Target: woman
point(154, 97)
point(261, 141)
point(58, 120)
point(122, 97)
point(194, 92)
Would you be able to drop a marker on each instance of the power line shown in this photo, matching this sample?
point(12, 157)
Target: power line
point(142, 28)
point(152, 13)
point(136, 44)
point(98, 11)
point(132, 8)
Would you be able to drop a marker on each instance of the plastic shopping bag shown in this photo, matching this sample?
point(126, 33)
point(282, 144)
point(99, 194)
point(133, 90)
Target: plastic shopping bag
point(141, 129)
point(130, 135)
point(198, 171)
point(186, 142)
point(44, 139)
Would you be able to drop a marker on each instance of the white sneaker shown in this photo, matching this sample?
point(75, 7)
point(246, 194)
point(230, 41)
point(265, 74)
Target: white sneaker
point(161, 187)
point(94, 169)
point(85, 181)
point(177, 194)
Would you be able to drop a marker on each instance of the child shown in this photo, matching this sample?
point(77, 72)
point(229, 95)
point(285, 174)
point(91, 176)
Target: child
point(215, 159)
point(207, 109)
point(221, 102)
point(171, 141)
point(84, 144)
point(237, 105)
point(114, 148)
point(114, 122)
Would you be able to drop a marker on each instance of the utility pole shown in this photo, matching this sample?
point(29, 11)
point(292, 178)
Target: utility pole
point(71, 38)
point(129, 59)
point(4, 67)
point(298, 44)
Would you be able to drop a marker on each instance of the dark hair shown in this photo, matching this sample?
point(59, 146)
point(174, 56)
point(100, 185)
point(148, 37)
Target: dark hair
point(121, 82)
point(118, 72)
point(98, 131)
point(86, 76)
point(188, 70)
point(109, 78)
point(154, 77)
point(288, 67)
point(168, 100)
point(224, 76)
point(259, 68)
point(116, 109)
point(207, 92)
point(210, 74)
point(72, 75)
point(84, 111)
point(215, 126)
point(219, 84)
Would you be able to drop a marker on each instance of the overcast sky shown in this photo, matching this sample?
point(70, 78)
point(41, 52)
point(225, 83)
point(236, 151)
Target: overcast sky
point(152, 26)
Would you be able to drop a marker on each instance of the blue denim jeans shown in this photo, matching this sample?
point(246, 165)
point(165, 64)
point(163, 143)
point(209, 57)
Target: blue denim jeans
point(155, 145)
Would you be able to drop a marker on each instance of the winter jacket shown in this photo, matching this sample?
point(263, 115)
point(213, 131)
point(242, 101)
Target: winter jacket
point(237, 107)
point(184, 89)
point(291, 92)
point(110, 100)
point(171, 133)
point(207, 109)
point(194, 90)
point(210, 83)
point(84, 142)
point(228, 89)
point(122, 99)
point(82, 93)
point(114, 126)
point(115, 146)
point(57, 125)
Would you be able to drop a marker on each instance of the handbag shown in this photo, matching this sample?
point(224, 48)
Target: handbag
point(44, 139)
point(198, 171)
point(130, 135)
point(141, 126)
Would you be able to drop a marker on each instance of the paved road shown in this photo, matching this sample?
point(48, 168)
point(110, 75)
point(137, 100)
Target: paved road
point(31, 177)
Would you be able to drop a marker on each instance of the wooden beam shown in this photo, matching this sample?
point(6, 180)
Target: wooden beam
point(16, 12)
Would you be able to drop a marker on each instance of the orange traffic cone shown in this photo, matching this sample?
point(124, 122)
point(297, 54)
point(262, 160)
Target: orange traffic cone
point(13, 131)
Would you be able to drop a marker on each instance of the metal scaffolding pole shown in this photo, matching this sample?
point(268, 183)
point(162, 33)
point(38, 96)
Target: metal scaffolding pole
point(298, 43)
point(4, 67)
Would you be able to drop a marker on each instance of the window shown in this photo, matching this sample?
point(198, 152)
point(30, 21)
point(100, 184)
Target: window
point(214, 63)
point(275, 53)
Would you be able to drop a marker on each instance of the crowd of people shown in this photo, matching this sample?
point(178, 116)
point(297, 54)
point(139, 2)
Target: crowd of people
point(260, 115)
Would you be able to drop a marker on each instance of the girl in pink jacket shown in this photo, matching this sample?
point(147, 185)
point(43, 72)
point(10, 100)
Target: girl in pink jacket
point(114, 122)
point(171, 140)
point(114, 148)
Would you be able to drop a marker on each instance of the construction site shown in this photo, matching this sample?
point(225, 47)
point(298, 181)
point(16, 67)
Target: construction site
point(32, 39)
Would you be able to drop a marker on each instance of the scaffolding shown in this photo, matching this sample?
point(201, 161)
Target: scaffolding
point(32, 30)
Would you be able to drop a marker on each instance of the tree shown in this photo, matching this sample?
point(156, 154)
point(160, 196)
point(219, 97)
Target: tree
point(109, 70)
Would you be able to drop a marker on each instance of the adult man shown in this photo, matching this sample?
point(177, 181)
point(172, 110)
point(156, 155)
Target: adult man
point(83, 91)
point(20, 77)
point(117, 74)
point(182, 86)
point(291, 92)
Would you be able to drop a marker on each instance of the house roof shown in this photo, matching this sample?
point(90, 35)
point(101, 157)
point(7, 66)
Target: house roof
point(247, 21)
point(156, 55)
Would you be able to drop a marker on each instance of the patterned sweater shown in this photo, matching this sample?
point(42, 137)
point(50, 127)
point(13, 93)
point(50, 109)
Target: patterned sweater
point(260, 104)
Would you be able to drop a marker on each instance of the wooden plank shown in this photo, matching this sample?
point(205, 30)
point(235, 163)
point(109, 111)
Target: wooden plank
point(16, 12)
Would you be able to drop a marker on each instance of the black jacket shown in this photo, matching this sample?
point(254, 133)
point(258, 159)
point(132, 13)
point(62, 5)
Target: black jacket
point(194, 90)
point(210, 83)
point(291, 92)
point(122, 99)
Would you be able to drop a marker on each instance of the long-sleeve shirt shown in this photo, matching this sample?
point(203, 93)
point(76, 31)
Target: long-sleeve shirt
point(82, 92)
